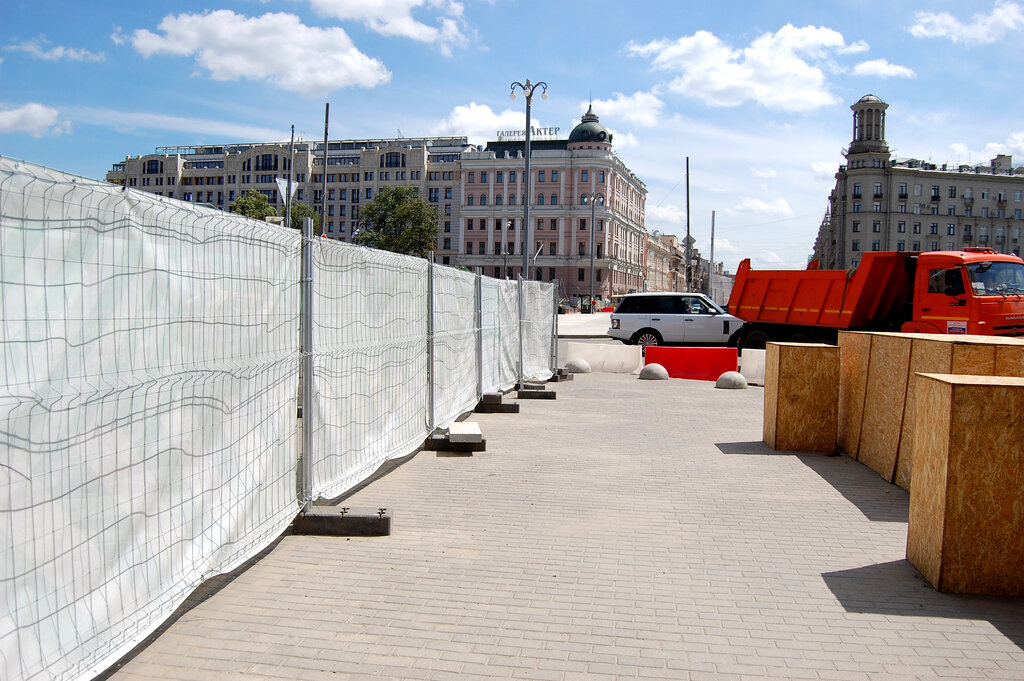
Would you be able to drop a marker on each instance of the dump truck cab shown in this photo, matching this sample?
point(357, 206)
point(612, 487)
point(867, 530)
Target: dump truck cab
point(975, 291)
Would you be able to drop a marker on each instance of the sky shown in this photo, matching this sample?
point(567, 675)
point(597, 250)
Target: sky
point(756, 95)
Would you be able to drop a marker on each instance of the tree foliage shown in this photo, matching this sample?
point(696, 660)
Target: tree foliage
point(252, 204)
point(301, 211)
point(398, 220)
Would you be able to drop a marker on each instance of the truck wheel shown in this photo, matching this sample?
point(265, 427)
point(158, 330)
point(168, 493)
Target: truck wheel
point(645, 337)
point(755, 340)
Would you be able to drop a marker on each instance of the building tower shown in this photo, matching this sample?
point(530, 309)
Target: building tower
point(869, 127)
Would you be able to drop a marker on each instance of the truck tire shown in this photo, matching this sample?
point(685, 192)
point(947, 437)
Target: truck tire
point(645, 337)
point(755, 340)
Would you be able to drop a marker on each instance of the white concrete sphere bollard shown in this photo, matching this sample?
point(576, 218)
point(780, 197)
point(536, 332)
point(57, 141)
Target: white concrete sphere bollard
point(731, 380)
point(654, 372)
point(578, 366)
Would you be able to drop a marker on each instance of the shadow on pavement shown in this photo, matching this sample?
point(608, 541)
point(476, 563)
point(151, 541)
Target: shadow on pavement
point(897, 588)
point(877, 499)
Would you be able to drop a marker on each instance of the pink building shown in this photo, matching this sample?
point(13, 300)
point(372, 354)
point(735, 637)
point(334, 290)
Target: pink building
point(566, 226)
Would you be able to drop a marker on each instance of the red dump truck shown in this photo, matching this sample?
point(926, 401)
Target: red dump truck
point(975, 291)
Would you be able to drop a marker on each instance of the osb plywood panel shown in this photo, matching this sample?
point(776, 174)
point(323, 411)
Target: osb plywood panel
point(884, 405)
point(982, 529)
point(854, 352)
point(928, 486)
point(771, 392)
point(932, 355)
point(976, 359)
point(806, 398)
point(1010, 360)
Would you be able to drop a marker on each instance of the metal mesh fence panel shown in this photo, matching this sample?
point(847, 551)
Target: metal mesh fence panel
point(455, 364)
point(370, 362)
point(148, 365)
point(500, 334)
point(538, 325)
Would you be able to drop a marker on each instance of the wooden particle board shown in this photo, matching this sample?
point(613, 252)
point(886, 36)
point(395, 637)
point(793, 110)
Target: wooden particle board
point(854, 352)
point(966, 520)
point(801, 397)
point(886, 395)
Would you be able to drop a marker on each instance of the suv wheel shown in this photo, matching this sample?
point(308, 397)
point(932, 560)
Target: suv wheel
point(646, 337)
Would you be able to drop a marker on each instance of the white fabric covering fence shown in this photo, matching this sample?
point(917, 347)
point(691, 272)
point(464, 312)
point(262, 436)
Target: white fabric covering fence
point(149, 355)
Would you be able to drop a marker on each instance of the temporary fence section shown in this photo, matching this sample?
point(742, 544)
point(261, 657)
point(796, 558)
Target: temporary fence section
point(150, 357)
point(147, 435)
point(370, 362)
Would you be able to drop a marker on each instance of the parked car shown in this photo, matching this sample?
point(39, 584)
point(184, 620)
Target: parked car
point(672, 318)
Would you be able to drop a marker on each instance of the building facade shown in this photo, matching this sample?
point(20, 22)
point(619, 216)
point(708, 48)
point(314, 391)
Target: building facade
point(478, 194)
point(883, 204)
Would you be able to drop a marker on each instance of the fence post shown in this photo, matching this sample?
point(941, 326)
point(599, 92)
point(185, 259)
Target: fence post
point(307, 365)
point(522, 345)
point(479, 293)
point(430, 343)
point(554, 328)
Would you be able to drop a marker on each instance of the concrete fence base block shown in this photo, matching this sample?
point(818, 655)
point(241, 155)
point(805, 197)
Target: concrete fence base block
point(341, 521)
point(654, 372)
point(731, 380)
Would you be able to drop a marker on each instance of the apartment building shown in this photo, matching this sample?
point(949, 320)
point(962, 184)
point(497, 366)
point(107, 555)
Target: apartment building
point(478, 194)
point(880, 203)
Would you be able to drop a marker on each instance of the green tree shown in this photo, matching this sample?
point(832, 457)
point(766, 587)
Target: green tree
point(301, 211)
point(398, 220)
point(253, 205)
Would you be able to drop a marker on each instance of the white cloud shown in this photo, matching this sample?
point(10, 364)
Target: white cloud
point(35, 119)
point(778, 207)
point(39, 49)
point(982, 29)
point(763, 172)
point(640, 108)
point(394, 18)
point(780, 70)
point(480, 124)
point(132, 120)
point(882, 69)
point(826, 169)
point(669, 213)
point(276, 48)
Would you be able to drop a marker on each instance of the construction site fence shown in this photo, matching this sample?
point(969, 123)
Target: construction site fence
point(151, 355)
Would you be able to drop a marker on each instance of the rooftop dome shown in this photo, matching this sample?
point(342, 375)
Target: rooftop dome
point(869, 99)
point(590, 129)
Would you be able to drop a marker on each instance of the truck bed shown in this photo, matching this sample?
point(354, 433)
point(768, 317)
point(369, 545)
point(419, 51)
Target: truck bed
point(875, 292)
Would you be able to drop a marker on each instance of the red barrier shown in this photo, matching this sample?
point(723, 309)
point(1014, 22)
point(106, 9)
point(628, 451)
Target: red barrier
point(702, 364)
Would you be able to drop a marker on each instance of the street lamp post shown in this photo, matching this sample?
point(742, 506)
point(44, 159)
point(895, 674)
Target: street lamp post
point(528, 89)
point(592, 198)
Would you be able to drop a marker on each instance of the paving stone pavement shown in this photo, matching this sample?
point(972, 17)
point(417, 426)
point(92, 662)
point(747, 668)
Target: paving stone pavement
point(628, 529)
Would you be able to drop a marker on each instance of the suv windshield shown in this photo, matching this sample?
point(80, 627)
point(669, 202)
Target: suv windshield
point(996, 278)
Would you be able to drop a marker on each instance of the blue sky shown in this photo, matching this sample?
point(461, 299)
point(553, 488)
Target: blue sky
point(756, 94)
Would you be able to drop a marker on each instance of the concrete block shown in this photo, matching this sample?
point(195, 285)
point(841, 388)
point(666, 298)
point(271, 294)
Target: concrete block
point(752, 366)
point(966, 521)
point(465, 431)
point(341, 521)
point(609, 359)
